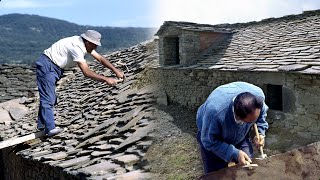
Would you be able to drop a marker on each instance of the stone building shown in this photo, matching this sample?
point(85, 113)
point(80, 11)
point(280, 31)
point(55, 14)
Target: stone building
point(182, 43)
point(280, 55)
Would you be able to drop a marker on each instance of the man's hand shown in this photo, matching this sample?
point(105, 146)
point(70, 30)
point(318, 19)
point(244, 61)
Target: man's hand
point(112, 81)
point(258, 142)
point(243, 158)
point(120, 74)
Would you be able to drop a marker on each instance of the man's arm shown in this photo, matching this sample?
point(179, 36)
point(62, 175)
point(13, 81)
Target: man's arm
point(261, 121)
point(88, 73)
point(106, 63)
point(211, 137)
point(262, 127)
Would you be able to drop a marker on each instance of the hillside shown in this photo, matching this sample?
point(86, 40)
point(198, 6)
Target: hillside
point(23, 37)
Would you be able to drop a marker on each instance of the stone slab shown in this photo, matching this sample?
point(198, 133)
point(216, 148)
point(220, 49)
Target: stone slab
point(136, 136)
point(18, 112)
point(74, 162)
point(100, 153)
point(128, 160)
point(133, 175)
point(293, 67)
point(4, 116)
point(55, 156)
point(100, 168)
point(105, 124)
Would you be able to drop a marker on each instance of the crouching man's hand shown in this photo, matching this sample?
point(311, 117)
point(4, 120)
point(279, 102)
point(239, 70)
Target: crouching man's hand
point(259, 141)
point(243, 158)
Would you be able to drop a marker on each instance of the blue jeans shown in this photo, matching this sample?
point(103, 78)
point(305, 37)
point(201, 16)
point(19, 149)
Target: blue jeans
point(48, 75)
point(212, 162)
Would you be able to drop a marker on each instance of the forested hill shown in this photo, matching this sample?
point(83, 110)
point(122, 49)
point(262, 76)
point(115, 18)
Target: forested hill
point(23, 37)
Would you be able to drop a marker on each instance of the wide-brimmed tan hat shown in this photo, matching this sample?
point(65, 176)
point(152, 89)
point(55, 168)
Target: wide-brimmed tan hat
point(92, 36)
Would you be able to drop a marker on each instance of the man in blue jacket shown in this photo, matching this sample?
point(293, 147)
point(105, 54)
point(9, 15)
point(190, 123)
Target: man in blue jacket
point(224, 122)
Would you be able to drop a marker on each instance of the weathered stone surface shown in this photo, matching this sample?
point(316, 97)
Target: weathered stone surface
point(293, 67)
point(74, 162)
point(18, 112)
point(101, 126)
point(40, 153)
point(131, 122)
point(4, 116)
point(133, 175)
point(136, 136)
point(162, 98)
point(55, 156)
point(103, 147)
point(100, 168)
point(144, 144)
point(100, 153)
point(16, 81)
point(128, 160)
point(116, 141)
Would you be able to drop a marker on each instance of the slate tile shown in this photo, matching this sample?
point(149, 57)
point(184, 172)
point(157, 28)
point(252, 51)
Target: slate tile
point(100, 153)
point(294, 67)
point(100, 168)
point(136, 136)
point(74, 162)
point(55, 156)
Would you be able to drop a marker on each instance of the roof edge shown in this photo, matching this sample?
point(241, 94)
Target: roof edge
point(228, 27)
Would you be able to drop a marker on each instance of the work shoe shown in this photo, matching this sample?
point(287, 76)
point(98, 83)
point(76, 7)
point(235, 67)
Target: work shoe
point(40, 128)
point(54, 131)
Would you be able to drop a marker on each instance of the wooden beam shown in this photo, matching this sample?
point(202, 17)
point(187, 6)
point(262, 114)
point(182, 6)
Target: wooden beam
point(18, 140)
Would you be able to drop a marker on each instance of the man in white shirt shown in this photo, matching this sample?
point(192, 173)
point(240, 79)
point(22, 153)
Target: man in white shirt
point(66, 53)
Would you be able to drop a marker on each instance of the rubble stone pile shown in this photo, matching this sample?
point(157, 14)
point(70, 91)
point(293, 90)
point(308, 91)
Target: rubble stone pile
point(16, 81)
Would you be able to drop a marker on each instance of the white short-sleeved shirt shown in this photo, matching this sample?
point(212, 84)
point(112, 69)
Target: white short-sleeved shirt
point(67, 51)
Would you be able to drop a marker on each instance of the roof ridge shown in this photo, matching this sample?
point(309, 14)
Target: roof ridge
point(245, 24)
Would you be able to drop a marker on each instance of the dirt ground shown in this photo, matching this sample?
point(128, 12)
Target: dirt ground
point(301, 163)
point(175, 154)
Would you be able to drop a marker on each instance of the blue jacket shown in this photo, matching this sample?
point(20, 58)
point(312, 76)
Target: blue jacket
point(215, 120)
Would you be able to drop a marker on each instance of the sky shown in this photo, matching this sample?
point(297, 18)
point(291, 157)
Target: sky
point(152, 13)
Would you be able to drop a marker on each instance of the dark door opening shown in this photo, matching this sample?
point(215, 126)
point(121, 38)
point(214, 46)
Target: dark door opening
point(176, 55)
point(274, 97)
point(171, 51)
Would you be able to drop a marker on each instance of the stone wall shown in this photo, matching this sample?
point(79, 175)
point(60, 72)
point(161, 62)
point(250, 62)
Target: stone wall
point(189, 47)
point(29, 169)
point(185, 47)
point(206, 39)
point(300, 93)
point(16, 81)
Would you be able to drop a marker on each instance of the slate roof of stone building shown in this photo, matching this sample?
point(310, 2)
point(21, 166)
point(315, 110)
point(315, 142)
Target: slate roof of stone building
point(192, 27)
point(106, 128)
point(290, 43)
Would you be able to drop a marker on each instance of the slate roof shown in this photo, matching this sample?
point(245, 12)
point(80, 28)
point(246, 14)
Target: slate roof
point(106, 128)
point(192, 27)
point(290, 43)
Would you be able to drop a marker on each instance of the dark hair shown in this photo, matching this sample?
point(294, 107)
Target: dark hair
point(245, 103)
point(84, 40)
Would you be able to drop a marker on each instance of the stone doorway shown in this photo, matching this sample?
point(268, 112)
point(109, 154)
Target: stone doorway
point(274, 97)
point(172, 55)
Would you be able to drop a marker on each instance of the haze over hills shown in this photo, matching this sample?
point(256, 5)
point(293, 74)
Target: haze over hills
point(24, 37)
